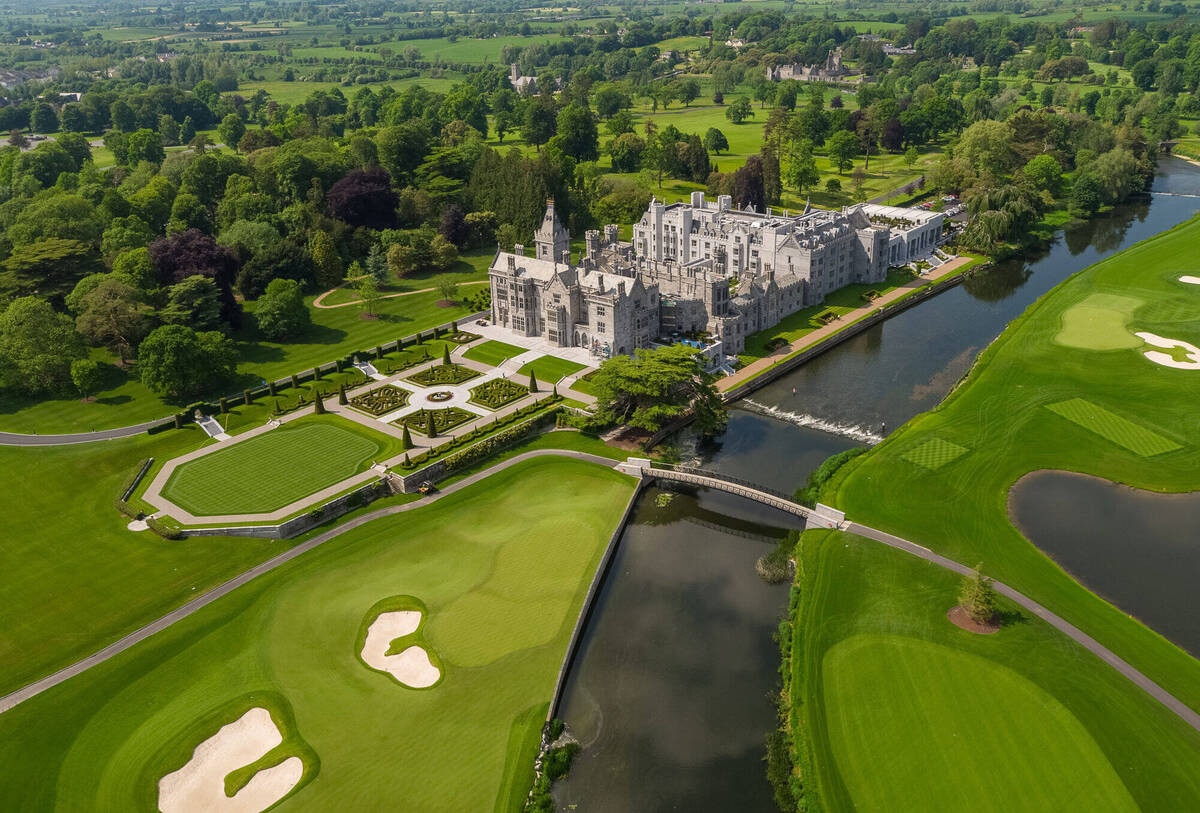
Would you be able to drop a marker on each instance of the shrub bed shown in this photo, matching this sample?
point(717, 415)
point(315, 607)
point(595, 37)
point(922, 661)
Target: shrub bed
point(498, 392)
point(494, 440)
point(461, 337)
point(443, 419)
point(443, 374)
point(380, 400)
point(827, 317)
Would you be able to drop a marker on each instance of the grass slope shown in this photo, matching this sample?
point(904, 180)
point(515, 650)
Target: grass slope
point(493, 352)
point(1007, 415)
point(502, 568)
point(549, 369)
point(75, 578)
point(278, 467)
point(905, 711)
point(921, 726)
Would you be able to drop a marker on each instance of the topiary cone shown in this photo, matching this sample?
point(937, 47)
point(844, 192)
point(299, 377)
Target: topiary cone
point(342, 395)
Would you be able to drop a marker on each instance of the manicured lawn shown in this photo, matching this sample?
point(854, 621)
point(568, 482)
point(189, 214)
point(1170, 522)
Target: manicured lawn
point(334, 334)
point(549, 369)
point(493, 352)
point(905, 711)
point(1005, 415)
point(501, 567)
point(278, 467)
point(921, 726)
point(75, 578)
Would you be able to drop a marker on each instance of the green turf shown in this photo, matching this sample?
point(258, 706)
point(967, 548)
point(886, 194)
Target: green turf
point(493, 352)
point(935, 453)
point(905, 711)
point(276, 468)
point(999, 414)
point(921, 726)
point(1099, 323)
point(1113, 427)
point(501, 567)
point(549, 369)
point(75, 578)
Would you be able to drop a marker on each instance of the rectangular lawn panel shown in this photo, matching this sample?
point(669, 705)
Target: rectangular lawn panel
point(274, 469)
point(935, 453)
point(549, 369)
point(493, 352)
point(1113, 427)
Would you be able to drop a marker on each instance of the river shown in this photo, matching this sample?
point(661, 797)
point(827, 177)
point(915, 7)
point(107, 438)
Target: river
point(669, 691)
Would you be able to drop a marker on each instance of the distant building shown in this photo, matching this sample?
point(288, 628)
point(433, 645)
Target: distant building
point(735, 42)
point(832, 70)
point(526, 85)
point(893, 50)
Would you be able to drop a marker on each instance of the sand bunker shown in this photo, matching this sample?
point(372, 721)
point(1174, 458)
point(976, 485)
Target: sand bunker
point(1190, 280)
point(1166, 359)
point(200, 784)
point(411, 667)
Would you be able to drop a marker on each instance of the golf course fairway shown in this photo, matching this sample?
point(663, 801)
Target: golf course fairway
point(501, 568)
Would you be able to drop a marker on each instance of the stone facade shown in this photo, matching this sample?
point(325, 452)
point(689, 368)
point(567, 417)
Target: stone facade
point(697, 267)
point(831, 71)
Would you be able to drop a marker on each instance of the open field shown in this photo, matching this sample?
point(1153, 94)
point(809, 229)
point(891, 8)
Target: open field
point(1004, 415)
point(277, 468)
point(77, 579)
point(905, 711)
point(501, 569)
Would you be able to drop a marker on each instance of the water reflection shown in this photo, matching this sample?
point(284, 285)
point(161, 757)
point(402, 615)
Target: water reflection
point(1138, 549)
point(669, 692)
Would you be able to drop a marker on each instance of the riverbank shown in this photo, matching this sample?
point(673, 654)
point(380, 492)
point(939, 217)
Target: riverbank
point(943, 479)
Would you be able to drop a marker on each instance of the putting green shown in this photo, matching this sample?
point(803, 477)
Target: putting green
point(935, 453)
point(1099, 322)
point(102, 742)
point(276, 468)
point(915, 725)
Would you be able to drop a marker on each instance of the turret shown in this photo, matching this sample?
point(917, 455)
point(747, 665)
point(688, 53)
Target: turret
point(551, 238)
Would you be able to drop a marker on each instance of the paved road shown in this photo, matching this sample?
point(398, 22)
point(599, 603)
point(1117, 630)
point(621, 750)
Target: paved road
point(33, 689)
point(1183, 711)
point(13, 439)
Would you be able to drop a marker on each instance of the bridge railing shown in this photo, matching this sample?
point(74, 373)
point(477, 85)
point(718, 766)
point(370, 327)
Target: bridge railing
point(713, 475)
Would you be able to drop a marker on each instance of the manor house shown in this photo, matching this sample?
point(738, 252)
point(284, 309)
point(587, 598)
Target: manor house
point(697, 267)
point(831, 71)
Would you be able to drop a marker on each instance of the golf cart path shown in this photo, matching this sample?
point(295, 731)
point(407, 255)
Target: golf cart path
point(117, 647)
point(1180, 709)
point(17, 439)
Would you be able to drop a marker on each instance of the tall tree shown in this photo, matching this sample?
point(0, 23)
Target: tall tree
point(177, 361)
point(977, 596)
point(37, 346)
point(112, 316)
point(281, 312)
point(655, 387)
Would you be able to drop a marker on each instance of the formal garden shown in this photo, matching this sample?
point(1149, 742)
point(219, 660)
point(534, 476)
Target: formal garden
point(497, 393)
point(440, 420)
point(448, 374)
point(380, 400)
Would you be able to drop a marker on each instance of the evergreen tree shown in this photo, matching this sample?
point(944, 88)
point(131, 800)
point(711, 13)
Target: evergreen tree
point(446, 355)
point(977, 596)
point(407, 440)
point(319, 402)
point(344, 401)
point(533, 385)
point(430, 429)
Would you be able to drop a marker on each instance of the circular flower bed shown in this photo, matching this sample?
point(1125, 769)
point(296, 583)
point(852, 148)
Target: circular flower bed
point(438, 397)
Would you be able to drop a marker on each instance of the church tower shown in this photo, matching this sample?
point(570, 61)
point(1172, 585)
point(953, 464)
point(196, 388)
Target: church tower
point(551, 238)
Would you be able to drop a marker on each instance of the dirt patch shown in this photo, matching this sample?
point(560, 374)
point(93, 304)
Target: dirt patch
point(959, 618)
point(446, 303)
point(365, 315)
point(630, 438)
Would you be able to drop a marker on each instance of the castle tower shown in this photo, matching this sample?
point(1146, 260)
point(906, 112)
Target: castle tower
point(551, 238)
